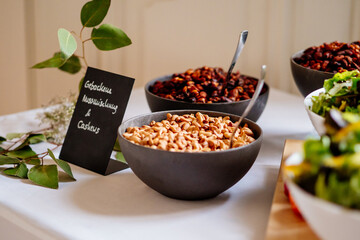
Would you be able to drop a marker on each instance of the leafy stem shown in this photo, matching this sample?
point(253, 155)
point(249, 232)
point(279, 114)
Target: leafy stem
point(105, 37)
point(82, 29)
point(89, 39)
point(22, 155)
point(83, 46)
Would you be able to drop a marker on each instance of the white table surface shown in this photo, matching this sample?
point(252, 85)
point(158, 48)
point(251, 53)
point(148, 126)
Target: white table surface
point(120, 206)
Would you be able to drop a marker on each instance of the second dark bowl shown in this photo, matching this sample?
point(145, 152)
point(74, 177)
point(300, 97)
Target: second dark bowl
point(157, 103)
point(307, 80)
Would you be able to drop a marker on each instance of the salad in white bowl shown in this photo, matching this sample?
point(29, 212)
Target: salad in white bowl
point(324, 180)
point(342, 92)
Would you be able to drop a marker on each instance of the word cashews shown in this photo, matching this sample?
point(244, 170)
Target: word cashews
point(199, 133)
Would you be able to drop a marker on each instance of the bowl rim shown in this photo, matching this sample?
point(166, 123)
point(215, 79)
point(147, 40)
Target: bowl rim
point(151, 82)
point(308, 103)
point(325, 203)
point(259, 137)
point(305, 68)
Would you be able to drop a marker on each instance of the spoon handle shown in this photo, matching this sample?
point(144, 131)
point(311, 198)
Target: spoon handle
point(259, 86)
point(239, 48)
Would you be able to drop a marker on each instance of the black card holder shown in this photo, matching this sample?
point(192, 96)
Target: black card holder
point(98, 113)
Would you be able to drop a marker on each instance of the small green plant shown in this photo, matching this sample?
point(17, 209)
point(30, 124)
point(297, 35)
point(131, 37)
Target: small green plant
point(106, 37)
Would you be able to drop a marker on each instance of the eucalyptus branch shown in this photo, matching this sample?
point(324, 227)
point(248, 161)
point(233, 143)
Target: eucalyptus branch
point(83, 49)
point(83, 46)
point(105, 37)
point(89, 39)
point(22, 155)
point(82, 29)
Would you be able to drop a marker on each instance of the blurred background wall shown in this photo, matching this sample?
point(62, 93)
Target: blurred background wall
point(168, 36)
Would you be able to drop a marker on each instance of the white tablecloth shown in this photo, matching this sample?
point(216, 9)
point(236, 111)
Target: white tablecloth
point(120, 206)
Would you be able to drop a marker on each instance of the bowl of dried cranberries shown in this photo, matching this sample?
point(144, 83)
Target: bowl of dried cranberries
point(310, 67)
point(206, 88)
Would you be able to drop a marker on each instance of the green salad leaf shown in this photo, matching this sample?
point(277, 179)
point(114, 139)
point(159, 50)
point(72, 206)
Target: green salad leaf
point(345, 192)
point(316, 151)
point(341, 77)
point(341, 92)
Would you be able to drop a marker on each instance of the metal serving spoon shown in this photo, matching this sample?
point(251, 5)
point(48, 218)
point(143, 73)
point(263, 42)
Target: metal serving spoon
point(240, 46)
point(259, 86)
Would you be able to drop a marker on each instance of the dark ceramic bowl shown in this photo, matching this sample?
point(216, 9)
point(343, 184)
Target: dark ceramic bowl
point(307, 80)
point(157, 103)
point(188, 175)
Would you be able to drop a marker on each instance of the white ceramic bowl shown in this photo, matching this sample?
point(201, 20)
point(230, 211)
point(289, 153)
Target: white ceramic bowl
point(327, 220)
point(316, 120)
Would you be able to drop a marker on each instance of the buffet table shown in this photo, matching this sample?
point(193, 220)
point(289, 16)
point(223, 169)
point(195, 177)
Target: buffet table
point(120, 206)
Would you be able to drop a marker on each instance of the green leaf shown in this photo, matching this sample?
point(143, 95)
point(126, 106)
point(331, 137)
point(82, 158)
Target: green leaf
point(67, 43)
point(317, 150)
point(8, 160)
point(20, 171)
point(32, 161)
point(72, 65)
point(93, 12)
point(44, 175)
point(1, 150)
point(108, 37)
point(22, 153)
point(11, 136)
point(120, 157)
point(117, 145)
point(62, 164)
point(36, 138)
point(25, 153)
point(54, 62)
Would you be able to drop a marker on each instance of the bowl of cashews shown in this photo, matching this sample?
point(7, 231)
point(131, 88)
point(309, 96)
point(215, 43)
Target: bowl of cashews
point(185, 154)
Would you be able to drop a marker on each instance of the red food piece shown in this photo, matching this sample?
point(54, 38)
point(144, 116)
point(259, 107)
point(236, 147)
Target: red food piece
point(286, 190)
point(294, 208)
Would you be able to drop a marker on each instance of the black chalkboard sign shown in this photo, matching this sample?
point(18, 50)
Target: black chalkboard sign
point(93, 127)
